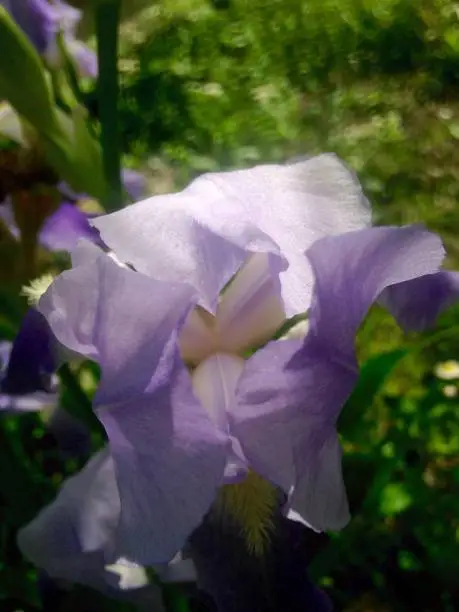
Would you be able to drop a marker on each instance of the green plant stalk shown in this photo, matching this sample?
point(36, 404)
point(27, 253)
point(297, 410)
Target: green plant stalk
point(107, 17)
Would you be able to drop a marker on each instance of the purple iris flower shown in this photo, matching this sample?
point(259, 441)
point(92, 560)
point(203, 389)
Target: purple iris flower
point(62, 230)
point(214, 271)
point(27, 367)
point(42, 21)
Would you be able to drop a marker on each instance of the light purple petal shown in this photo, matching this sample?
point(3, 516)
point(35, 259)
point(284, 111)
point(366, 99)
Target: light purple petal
point(288, 400)
point(85, 58)
point(352, 270)
point(416, 304)
point(169, 457)
point(67, 15)
point(198, 236)
point(170, 462)
point(62, 230)
point(291, 393)
point(203, 234)
point(71, 538)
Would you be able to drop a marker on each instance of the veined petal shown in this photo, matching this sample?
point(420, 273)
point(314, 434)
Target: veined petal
point(170, 461)
point(295, 205)
point(205, 232)
point(288, 399)
point(417, 303)
point(353, 269)
point(115, 316)
point(169, 456)
point(291, 392)
point(199, 236)
point(251, 309)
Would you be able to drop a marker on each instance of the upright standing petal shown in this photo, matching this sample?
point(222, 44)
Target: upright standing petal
point(206, 232)
point(251, 308)
point(198, 236)
point(291, 392)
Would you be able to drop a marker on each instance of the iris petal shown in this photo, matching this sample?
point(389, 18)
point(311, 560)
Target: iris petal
point(169, 457)
point(206, 232)
point(291, 392)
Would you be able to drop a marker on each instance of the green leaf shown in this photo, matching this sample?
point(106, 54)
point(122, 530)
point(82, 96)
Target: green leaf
point(23, 79)
point(371, 380)
point(394, 499)
point(23, 488)
point(76, 154)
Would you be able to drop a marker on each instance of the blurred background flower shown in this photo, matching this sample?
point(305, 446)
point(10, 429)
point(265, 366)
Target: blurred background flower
point(43, 21)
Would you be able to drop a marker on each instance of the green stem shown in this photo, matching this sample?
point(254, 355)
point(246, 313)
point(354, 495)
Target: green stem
point(107, 21)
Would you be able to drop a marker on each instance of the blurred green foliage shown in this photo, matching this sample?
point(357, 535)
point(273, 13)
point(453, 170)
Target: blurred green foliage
point(208, 85)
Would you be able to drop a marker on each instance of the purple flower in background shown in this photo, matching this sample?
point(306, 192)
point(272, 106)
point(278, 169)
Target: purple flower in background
point(42, 21)
point(215, 271)
point(27, 368)
point(62, 229)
